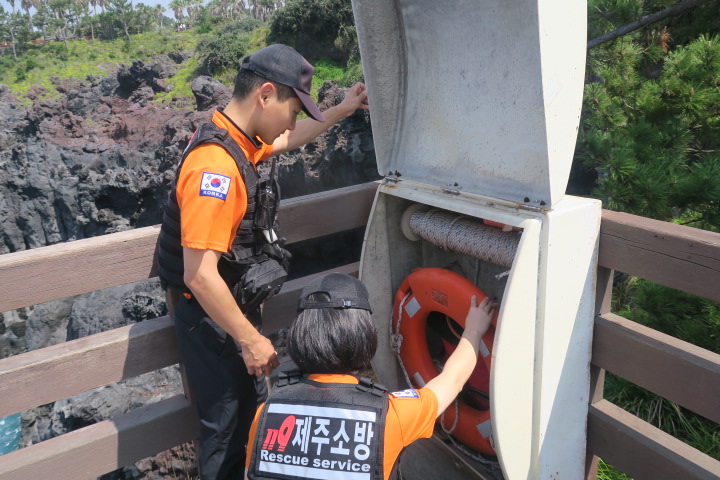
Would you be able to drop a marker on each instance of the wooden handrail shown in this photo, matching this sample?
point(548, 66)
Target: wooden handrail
point(679, 371)
point(679, 257)
point(60, 371)
point(676, 256)
point(643, 451)
point(105, 446)
point(59, 271)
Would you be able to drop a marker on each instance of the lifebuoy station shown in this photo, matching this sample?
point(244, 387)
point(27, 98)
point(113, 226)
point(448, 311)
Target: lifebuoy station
point(475, 110)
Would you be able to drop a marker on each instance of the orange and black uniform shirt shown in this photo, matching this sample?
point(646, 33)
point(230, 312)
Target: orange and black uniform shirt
point(211, 192)
point(411, 415)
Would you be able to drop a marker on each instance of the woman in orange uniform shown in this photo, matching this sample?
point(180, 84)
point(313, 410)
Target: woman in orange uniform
point(326, 422)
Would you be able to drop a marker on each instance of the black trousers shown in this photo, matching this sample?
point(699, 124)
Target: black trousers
point(226, 395)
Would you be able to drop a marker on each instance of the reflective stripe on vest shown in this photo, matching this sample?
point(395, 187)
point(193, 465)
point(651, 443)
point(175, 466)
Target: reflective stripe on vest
point(321, 430)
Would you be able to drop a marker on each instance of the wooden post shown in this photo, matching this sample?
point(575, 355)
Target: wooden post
point(603, 300)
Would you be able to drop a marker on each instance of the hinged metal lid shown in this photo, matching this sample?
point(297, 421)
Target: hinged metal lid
point(482, 94)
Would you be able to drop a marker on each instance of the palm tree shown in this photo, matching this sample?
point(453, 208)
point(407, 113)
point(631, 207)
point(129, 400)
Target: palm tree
point(159, 12)
point(177, 7)
point(237, 8)
point(26, 5)
point(218, 8)
point(84, 5)
point(94, 4)
point(193, 8)
point(60, 12)
point(43, 18)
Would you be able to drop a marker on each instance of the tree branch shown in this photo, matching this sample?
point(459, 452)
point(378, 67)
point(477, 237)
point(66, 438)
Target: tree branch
point(646, 20)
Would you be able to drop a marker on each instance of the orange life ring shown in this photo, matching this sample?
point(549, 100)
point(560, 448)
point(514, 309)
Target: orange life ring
point(428, 290)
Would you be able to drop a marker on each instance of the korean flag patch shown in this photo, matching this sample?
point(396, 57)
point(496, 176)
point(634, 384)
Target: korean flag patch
point(214, 185)
point(409, 393)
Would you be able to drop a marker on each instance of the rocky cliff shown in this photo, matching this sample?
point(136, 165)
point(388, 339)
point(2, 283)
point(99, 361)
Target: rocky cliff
point(100, 159)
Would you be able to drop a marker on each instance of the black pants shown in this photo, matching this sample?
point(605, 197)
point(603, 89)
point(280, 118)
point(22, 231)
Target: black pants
point(226, 395)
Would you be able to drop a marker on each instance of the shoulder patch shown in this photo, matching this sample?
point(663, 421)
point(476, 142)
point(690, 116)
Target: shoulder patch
point(214, 185)
point(409, 393)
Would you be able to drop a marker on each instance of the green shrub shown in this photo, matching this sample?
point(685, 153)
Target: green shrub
point(316, 28)
point(225, 48)
point(20, 74)
point(31, 63)
point(353, 72)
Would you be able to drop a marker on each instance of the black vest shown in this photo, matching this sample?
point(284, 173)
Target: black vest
point(256, 266)
point(320, 430)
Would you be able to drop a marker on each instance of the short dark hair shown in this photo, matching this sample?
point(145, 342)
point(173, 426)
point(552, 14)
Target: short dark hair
point(332, 340)
point(247, 81)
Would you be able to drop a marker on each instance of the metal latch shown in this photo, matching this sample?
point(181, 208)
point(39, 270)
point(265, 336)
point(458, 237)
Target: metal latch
point(452, 188)
point(393, 177)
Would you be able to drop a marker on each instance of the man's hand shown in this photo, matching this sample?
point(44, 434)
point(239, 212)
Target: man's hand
point(260, 356)
point(208, 287)
point(308, 129)
point(356, 97)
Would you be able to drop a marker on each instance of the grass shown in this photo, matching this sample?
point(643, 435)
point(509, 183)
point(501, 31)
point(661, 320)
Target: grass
point(608, 472)
point(181, 83)
point(43, 65)
point(39, 64)
point(674, 420)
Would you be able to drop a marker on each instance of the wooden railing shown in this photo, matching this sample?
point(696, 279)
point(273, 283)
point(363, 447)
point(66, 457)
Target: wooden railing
point(53, 373)
point(676, 256)
point(679, 257)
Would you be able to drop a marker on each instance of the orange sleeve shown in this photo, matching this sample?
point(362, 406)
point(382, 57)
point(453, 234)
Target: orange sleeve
point(407, 419)
point(212, 199)
point(251, 436)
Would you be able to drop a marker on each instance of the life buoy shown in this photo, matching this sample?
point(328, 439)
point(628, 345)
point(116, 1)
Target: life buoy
point(428, 290)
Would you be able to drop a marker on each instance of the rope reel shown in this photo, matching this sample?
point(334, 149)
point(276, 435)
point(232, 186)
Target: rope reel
point(458, 233)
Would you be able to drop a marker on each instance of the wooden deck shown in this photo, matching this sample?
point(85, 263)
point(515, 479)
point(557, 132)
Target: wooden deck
point(680, 257)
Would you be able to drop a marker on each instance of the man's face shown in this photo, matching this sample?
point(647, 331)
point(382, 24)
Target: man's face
point(278, 117)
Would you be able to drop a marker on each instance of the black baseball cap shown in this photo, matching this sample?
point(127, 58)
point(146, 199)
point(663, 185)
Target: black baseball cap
point(283, 64)
point(343, 291)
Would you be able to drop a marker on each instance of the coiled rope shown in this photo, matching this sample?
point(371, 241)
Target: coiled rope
point(465, 235)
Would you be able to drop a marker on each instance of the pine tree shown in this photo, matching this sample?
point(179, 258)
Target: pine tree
point(651, 127)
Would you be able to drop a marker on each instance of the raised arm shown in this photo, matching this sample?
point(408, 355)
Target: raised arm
point(306, 130)
point(458, 368)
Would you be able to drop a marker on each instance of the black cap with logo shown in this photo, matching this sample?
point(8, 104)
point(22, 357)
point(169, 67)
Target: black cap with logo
point(283, 64)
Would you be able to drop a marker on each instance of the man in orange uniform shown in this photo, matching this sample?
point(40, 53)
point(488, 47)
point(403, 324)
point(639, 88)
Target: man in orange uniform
point(219, 255)
point(327, 423)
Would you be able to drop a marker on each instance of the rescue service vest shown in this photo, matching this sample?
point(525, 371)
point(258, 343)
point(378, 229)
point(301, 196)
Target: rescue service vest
point(256, 266)
point(312, 429)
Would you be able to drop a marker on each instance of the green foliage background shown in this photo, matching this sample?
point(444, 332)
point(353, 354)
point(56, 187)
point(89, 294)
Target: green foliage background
point(649, 144)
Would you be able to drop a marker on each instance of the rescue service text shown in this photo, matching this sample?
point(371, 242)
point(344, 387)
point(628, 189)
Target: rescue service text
point(345, 465)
